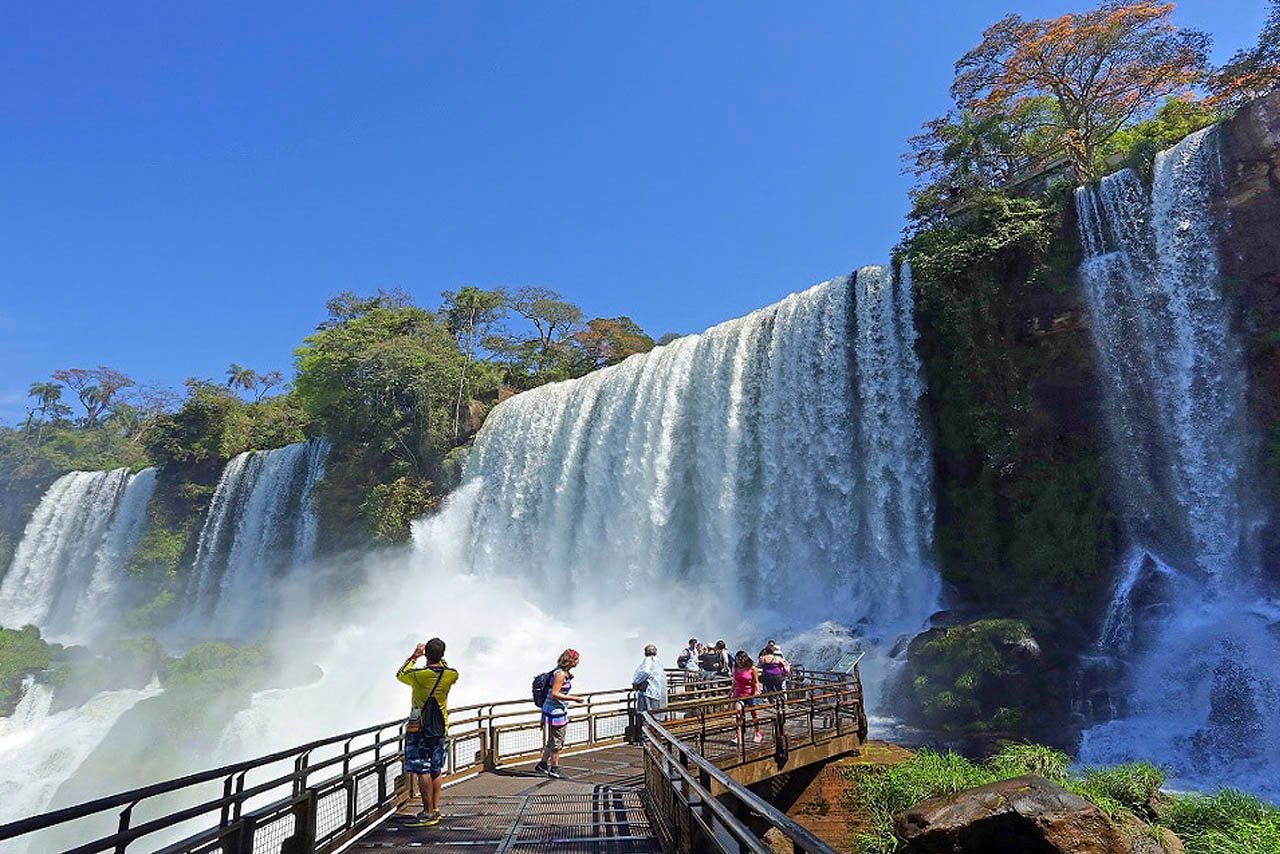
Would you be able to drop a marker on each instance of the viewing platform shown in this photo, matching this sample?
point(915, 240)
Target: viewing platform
point(676, 780)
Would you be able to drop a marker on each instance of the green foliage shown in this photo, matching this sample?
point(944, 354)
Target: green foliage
point(380, 379)
point(1009, 365)
point(956, 674)
point(151, 614)
point(1133, 787)
point(213, 425)
point(1137, 145)
point(1228, 822)
point(884, 792)
point(120, 663)
point(395, 505)
point(22, 652)
point(1014, 760)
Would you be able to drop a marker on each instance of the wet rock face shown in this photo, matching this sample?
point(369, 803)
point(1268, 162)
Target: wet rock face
point(1251, 266)
point(1235, 722)
point(1025, 815)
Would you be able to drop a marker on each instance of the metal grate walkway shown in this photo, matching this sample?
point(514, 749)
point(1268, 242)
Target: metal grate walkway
point(600, 810)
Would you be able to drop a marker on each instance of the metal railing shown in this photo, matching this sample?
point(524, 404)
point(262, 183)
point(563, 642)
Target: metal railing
point(313, 797)
point(693, 747)
point(317, 796)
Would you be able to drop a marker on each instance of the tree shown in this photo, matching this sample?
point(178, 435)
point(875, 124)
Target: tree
point(609, 340)
point(668, 337)
point(49, 405)
point(381, 376)
point(266, 382)
point(239, 377)
point(247, 379)
point(1103, 69)
point(469, 313)
point(554, 318)
point(1250, 73)
point(95, 388)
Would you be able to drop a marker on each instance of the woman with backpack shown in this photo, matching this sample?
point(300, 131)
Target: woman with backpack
point(746, 694)
point(555, 715)
point(774, 668)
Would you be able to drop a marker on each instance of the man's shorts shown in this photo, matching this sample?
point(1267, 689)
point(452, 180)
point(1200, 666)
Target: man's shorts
point(423, 755)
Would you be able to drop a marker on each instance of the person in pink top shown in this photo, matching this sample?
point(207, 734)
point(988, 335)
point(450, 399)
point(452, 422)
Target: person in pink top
point(746, 694)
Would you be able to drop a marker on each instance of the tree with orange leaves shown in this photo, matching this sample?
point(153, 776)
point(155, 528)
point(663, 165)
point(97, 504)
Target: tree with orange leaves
point(1250, 73)
point(1103, 69)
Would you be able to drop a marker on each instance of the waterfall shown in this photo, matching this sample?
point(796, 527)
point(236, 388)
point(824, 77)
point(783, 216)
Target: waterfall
point(777, 460)
point(39, 750)
point(260, 530)
point(1202, 694)
point(68, 570)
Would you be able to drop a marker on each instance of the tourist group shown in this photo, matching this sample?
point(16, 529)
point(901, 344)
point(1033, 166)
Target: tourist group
point(426, 730)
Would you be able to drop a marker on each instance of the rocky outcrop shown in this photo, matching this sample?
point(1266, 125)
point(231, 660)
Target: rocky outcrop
point(1251, 268)
point(970, 684)
point(1026, 815)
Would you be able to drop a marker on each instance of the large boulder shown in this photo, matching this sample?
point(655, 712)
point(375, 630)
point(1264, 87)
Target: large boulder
point(1025, 815)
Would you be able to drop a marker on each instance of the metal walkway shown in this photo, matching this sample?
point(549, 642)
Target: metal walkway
point(674, 780)
point(600, 810)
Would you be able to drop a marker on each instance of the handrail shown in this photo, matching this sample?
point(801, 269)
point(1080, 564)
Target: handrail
point(502, 730)
point(659, 737)
point(40, 822)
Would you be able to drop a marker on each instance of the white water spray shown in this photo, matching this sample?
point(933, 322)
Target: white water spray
point(39, 750)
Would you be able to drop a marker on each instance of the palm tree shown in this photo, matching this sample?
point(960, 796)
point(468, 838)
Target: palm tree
point(48, 397)
point(241, 377)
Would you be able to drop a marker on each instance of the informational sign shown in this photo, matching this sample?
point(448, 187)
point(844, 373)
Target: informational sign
point(847, 662)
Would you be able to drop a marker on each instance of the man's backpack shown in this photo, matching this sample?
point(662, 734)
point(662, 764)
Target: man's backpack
point(432, 715)
point(542, 687)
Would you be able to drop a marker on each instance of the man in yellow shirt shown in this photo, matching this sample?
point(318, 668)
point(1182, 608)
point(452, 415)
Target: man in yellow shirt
point(426, 742)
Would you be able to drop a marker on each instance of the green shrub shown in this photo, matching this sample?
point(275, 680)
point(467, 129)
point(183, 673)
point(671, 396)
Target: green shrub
point(22, 652)
point(883, 792)
point(1226, 822)
point(1017, 759)
point(1133, 787)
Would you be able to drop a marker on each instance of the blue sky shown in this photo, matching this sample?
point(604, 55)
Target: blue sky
point(184, 185)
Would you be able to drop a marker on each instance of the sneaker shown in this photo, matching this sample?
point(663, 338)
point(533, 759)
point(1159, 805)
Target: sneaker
point(759, 737)
point(541, 768)
point(424, 819)
point(556, 774)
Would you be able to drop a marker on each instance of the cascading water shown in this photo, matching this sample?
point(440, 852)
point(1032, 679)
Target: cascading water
point(68, 570)
point(38, 750)
point(1186, 618)
point(776, 461)
point(260, 530)
point(767, 474)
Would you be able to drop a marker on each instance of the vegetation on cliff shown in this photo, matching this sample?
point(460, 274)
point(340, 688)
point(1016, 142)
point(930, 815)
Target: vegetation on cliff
point(1226, 822)
point(395, 386)
point(22, 653)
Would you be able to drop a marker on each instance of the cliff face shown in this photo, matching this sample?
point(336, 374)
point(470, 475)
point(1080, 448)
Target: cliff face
point(1026, 526)
point(1251, 268)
